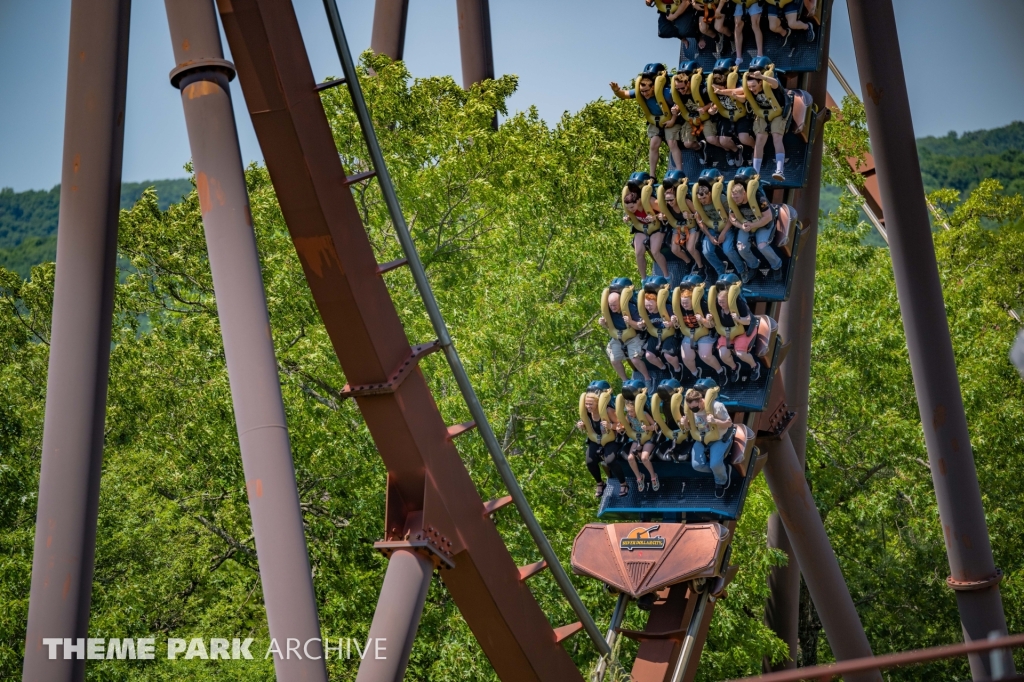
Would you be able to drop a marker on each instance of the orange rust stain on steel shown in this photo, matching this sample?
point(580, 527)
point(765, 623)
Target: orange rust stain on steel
point(966, 539)
point(942, 465)
point(255, 488)
point(954, 443)
point(203, 190)
point(76, 163)
point(318, 253)
point(201, 89)
point(67, 587)
point(218, 191)
point(81, 56)
point(185, 45)
point(74, 188)
point(875, 93)
point(938, 417)
point(945, 529)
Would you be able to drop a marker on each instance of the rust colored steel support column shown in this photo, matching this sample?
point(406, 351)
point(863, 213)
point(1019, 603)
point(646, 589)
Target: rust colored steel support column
point(666, 626)
point(83, 302)
point(814, 553)
point(397, 617)
point(795, 326)
point(475, 41)
point(389, 21)
point(202, 74)
point(973, 572)
point(431, 498)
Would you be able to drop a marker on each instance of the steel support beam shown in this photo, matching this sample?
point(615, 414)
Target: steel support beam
point(202, 74)
point(785, 477)
point(397, 617)
point(83, 302)
point(389, 21)
point(795, 326)
point(973, 572)
point(428, 485)
point(475, 41)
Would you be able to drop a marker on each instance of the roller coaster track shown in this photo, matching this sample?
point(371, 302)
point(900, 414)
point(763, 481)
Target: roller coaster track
point(432, 504)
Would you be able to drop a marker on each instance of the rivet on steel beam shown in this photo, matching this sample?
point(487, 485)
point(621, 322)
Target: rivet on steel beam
point(457, 430)
point(492, 506)
point(531, 570)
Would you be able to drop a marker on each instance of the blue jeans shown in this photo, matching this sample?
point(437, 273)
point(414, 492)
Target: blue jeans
point(718, 451)
point(729, 247)
point(763, 237)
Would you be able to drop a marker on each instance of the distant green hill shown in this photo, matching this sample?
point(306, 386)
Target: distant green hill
point(28, 220)
point(962, 161)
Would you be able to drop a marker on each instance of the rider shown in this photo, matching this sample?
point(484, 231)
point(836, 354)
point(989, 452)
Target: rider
point(791, 8)
point(712, 431)
point(675, 210)
point(752, 9)
point(753, 216)
point(697, 326)
point(623, 328)
point(632, 411)
point(737, 327)
point(662, 344)
point(734, 125)
point(671, 443)
point(650, 91)
point(648, 233)
point(676, 19)
point(713, 218)
point(772, 109)
point(692, 114)
point(598, 422)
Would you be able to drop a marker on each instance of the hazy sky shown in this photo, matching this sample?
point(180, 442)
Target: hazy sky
point(957, 55)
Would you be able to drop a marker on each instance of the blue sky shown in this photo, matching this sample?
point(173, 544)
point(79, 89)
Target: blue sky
point(957, 55)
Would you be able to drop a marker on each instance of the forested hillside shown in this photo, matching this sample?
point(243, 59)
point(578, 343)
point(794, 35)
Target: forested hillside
point(28, 220)
point(519, 231)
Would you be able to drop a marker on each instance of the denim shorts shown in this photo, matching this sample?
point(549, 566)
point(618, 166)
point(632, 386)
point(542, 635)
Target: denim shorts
point(742, 9)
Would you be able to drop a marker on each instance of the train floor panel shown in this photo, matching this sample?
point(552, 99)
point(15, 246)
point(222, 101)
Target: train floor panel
point(682, 491)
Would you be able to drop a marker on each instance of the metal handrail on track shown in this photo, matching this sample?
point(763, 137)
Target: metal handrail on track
point(441, 329)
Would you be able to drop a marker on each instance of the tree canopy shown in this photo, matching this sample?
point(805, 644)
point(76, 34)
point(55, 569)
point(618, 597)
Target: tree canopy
point(519, 232)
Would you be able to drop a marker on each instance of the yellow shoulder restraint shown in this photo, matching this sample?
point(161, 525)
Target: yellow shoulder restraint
point(716, 199)
point(745, 3)
point(667, 8)
point(602, 409)
point(712, 435)
point(752, 188)
point(659, 86)
point(769, 93)
point(659, 417)
point(646, 193)
point(667, 331)
point(618, 334)
point(695, 80)
point(638, 405)
point(737, 112)
point(676, 406)
point(779, 3)
point(645, 202)
point(677, 305)
point(734, 293)
point(665, 209)
point(663, 295)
